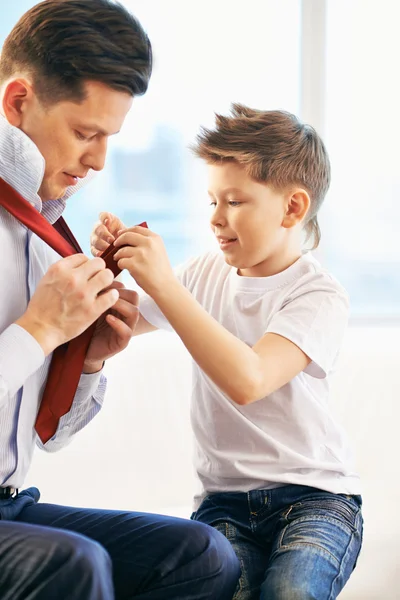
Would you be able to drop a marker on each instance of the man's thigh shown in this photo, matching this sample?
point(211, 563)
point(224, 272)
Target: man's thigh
point(315, 550)
point(148, 551)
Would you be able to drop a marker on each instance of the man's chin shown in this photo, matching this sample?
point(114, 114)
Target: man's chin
point(55, 192)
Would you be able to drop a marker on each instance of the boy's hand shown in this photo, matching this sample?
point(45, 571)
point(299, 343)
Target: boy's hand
point(146, 259)
point(104, 232)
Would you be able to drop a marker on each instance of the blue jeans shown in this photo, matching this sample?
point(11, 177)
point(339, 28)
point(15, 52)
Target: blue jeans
point(49, 551)
point(293, 542)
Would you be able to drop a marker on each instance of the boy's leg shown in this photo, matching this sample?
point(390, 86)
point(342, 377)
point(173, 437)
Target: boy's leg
point(41, 564)
point(315, 550)
point(152, 556)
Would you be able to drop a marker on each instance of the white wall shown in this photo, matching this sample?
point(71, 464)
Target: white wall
point(137, 453)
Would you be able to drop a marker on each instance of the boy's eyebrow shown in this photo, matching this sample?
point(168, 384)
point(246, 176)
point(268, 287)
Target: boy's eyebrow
point(229, 190)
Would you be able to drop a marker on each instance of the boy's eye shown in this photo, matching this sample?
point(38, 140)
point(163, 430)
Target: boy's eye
point(213, 204)
point(234, 203)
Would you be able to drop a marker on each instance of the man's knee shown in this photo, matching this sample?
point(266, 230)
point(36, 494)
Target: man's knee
point(53, 563)
point(80, 566)
point(216, 559)
point(82, 556)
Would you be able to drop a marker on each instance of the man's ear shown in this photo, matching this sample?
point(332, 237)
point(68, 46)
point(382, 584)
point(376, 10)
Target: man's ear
point(18, 94)
point(297, 208)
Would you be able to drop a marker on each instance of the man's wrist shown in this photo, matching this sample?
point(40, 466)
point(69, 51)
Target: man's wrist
point(47, 338)
point(90, 367)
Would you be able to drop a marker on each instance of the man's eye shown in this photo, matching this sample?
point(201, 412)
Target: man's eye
point(234, 203)
point(213, 204)
point(80, 136)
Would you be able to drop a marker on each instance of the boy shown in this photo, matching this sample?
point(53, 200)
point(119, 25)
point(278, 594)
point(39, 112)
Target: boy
point(263, 322)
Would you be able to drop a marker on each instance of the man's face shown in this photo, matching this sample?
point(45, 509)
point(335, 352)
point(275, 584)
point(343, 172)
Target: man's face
point(72, 137)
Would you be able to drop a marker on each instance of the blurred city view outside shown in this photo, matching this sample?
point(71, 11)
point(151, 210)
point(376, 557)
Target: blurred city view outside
point(208, 54)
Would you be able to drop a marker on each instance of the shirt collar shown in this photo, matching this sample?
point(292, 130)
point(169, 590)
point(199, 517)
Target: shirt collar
point(22, 166)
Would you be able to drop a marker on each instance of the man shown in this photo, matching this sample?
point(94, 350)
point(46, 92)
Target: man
point(68, 73)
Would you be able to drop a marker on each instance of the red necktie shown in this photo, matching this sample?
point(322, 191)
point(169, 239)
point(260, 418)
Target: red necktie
point(67, 361)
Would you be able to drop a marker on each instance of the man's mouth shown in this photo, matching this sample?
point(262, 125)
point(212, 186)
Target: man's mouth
point(72, 179)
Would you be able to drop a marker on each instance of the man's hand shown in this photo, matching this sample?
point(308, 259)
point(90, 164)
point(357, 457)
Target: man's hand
point(104, 232)
point(113, 330)
point(145, 257)
point(69, 298)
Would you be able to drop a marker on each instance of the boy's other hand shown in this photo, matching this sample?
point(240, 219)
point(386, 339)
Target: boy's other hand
point(105, 232)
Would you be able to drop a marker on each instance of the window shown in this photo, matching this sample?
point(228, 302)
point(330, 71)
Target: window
point(209, 54)
point(362, 131)
point(206, 55)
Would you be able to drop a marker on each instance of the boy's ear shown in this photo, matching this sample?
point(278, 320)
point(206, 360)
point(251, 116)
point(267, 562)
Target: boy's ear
point(297, 207)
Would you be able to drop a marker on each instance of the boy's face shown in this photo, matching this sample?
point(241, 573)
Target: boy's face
point(247, 220)
point(73, 137)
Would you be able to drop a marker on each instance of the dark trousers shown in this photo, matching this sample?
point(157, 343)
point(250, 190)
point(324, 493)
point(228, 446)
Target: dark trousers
point(49, 551)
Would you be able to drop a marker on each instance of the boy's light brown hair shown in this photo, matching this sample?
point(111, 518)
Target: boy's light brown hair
point(275, 148)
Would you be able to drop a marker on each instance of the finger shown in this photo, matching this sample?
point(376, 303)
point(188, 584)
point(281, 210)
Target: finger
point(137, 230)
point(142, 230)
point(123, 330)
point(128, 264)
point(101, 282)
point(125, 307)
point(118, 285)
point(105, 217)
point(104, 302)
point(90, 268)
point(103, 233)
point(125, 252)
point(128, 311)
point(74, 261)
point(113, 223)
point(130, 238)
point(130, 296)
point(98, 247)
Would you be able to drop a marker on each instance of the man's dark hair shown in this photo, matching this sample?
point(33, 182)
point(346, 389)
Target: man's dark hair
point(62, 44)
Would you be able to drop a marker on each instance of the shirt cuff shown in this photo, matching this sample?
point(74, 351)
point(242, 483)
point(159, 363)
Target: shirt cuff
point(20, 356)
point(88, 384)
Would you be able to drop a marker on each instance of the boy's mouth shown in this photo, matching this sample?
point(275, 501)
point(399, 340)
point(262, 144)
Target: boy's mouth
point(225, 242)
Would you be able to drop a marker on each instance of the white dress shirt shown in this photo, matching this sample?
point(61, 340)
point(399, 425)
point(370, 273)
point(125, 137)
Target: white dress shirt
point(24, 259)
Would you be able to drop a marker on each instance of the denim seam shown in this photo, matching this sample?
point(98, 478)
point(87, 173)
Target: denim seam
point(341, 565)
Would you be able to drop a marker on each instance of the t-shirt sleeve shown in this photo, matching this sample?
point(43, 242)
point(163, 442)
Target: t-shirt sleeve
point(315, 319)
point(149, 309)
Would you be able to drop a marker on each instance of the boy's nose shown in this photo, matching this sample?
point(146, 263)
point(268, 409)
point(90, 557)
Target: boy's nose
point(218, 219)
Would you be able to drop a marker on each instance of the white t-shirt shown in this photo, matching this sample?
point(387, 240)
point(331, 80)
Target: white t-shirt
point(290, 436)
